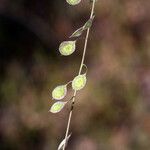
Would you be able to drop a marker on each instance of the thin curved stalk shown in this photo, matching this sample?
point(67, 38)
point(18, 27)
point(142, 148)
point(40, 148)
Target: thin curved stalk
point(80, 69)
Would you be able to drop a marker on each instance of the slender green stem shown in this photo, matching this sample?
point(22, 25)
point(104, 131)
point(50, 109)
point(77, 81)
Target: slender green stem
point(80, 69)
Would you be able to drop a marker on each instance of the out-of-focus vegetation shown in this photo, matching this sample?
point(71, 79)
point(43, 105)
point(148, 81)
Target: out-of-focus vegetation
point(112, 112)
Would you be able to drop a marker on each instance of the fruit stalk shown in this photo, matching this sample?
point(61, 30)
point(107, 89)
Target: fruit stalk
point(80, 69)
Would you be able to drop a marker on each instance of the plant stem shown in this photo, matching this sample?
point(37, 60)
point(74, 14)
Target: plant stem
point(80, 69)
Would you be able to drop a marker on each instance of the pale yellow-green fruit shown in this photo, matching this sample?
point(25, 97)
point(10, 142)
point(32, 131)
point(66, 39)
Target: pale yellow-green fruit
point(79, 82)
point(66, 48)
point(57, 107)
point(73, 2)
point(59, 92)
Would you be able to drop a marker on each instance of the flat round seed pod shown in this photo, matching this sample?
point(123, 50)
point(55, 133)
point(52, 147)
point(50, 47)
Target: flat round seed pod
point(79, 82)
point(73, 2)
point(59, 92)
point(66, 48)
point(57, 107)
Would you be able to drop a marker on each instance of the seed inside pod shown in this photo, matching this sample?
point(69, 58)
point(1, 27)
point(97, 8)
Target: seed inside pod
point(66, 48)
point(79, 82)
point(73, 2)
point(57, 107)
point(59, 92)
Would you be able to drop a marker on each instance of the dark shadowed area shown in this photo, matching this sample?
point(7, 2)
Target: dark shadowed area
point(112, 112)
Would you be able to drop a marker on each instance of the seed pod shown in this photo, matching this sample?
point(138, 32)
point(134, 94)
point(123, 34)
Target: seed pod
point(57, 107)
point(77, 33)
point(79, 82)
point(59, 92)
point(73, 2)
point(67, 47)
point(88, 24)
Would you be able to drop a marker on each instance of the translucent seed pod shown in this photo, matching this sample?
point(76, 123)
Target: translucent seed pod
point(79, 82)
point(88, 24)
point(66, 48)
point(77, 33)
point(73, 2)
point(59, 92)
point(57, 107)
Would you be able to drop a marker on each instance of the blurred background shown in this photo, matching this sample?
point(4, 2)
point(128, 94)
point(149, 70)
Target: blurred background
point(112, 112)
